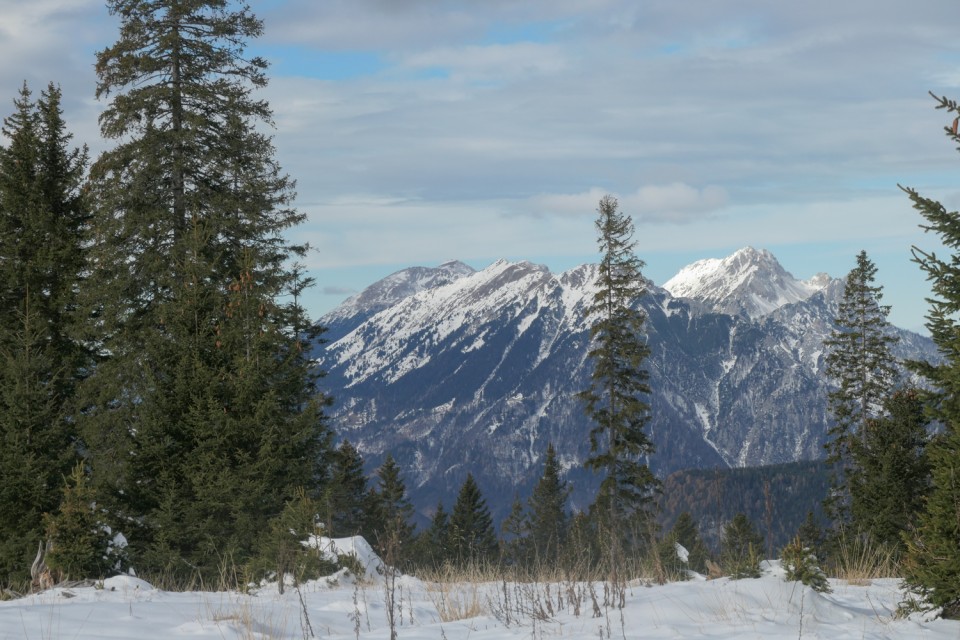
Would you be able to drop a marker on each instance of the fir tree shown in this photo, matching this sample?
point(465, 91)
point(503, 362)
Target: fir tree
point(203, 420)
point(42, 222)
point(615, 399)
point(932, 562)
point(472, 536)
point(863, 371)
point(548, 520)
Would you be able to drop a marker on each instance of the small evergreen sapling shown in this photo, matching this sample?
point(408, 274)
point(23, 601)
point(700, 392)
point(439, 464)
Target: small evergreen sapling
point(287, 548)
point(80, 543)
point(800, 563)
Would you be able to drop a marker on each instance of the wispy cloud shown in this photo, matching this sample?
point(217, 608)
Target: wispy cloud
point(332, 290)
point(675, 202)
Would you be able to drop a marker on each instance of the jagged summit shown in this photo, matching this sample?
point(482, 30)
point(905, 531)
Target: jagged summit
point(749, 282)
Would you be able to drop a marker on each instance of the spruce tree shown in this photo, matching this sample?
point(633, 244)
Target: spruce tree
point(932, 562)
point(433, 545)
point(348, 501)
point(548, 520)
point(202, 419)
point(81, 544)
point(393, 530)
point(42, 222)
point(741, 548)
point(686, 534)
point(472, 536)
point(863, 372)
point(515, 530)
point(810, 536)
point(891, 473)
point(615, 399)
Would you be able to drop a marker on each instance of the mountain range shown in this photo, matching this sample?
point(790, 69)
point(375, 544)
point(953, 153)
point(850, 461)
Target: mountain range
point(456, 371)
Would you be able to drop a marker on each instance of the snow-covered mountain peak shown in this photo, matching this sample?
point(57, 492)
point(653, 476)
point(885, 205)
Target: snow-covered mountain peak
point(396, 287)
point(820, 281)
point(749, 282)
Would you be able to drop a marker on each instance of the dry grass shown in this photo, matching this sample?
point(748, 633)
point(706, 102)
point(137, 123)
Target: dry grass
point(248, 620)
point(457, 592)
point(860, 561)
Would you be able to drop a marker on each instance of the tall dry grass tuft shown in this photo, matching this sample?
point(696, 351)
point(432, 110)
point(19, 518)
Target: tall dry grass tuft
point(859, 560)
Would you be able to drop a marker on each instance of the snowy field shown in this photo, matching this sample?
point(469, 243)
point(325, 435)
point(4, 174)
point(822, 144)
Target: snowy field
point(342, 607)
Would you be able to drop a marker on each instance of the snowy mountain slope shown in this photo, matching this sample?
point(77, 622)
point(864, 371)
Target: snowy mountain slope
point(749, 282)
point(481, 373)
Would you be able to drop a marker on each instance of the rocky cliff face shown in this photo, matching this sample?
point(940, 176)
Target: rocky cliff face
point(456, 371)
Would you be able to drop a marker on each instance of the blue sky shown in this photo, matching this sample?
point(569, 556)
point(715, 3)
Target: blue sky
point(426, 130)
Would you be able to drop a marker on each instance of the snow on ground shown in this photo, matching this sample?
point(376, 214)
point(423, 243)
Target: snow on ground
point(768, 608)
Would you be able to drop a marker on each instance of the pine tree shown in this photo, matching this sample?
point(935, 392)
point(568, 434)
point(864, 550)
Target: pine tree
point(472, 536)
point(863, 371)
point(548, 520)
point(614, 400)
point(932, 562)
point(203, 420)
point(42, 221)
point(891, 472)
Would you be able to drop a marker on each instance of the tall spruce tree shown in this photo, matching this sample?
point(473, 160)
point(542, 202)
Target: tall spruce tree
point(202, 420)
point(472, 536)
point(863, 372)
point(42, 222)
point(932, 562)
point(615, 399)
